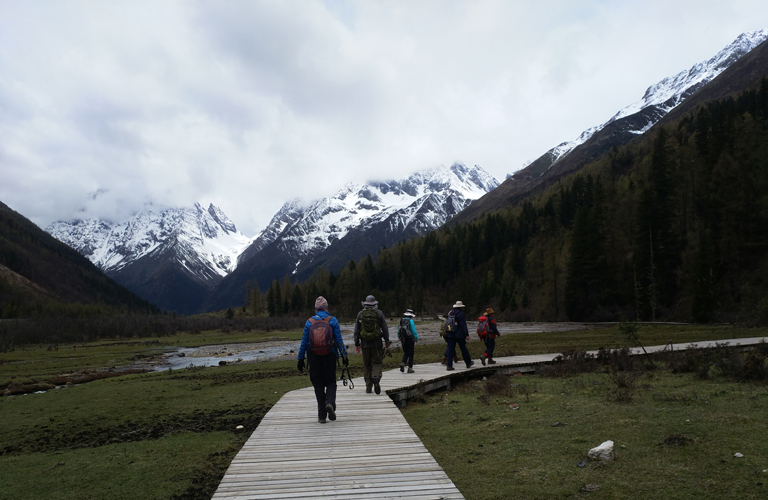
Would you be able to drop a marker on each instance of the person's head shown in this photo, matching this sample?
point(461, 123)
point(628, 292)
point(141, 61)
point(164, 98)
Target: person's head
point(458, 305)
point(409, 313)
point(370, 301)
point(489, 311)
point(321, 304)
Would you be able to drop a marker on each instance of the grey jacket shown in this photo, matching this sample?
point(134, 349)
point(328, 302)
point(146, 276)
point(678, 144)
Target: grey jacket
point(359, 342)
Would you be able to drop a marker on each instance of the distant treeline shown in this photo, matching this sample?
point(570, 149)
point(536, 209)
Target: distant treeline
point(15, 333)
point(672, 226)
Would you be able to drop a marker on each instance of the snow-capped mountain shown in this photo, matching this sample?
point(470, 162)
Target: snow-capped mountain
point(421, 203)
point(200, 245)
point(657, 103)
point(359, 219)
point(660, 98)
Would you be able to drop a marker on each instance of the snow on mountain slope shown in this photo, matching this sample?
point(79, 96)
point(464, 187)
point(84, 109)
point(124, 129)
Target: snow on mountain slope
point(420, 203)
point(669, 92)
point(204, 242)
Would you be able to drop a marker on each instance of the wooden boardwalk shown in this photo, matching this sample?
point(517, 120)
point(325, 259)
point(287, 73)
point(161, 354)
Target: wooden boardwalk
point(369, 452)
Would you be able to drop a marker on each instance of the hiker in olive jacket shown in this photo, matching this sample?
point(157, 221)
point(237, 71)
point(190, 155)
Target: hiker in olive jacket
point(370, 329)
point(459, 336)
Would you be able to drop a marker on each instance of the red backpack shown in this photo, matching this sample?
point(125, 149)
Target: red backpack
point(320, 336)
point(482, 326)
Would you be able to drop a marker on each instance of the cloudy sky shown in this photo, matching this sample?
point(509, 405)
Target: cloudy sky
point(106, 107)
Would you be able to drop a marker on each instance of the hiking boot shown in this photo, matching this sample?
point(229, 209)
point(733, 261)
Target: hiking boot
point(410, 370)
point(402, 367)
point(369, 389)
point(444, 361)
point(449, 368)
point(482, 359)
point(321, 420)
point(491, 361)
point(456, 359)
point(469, 365)
point(330, 411)
point(376, 386)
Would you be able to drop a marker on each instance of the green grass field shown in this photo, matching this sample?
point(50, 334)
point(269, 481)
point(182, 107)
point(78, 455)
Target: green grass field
point(171, 435)
point(675, 440)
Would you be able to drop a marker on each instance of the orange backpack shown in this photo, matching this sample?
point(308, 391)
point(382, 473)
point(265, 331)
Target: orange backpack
point(482, 326)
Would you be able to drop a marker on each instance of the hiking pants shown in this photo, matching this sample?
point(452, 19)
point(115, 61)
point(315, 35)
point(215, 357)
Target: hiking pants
point(407, 352)
point(490, 345)
point(372, 357)
point(322, 374)
point(452, 350)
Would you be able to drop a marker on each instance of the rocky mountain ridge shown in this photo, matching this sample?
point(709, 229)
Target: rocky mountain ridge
point(658, 101)
point(359, 219)
point(200, 245)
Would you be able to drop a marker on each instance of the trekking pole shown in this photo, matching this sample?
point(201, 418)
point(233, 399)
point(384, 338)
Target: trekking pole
point(348, 378)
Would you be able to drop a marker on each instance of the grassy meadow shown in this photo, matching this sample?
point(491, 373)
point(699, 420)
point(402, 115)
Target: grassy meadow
point(172, 434)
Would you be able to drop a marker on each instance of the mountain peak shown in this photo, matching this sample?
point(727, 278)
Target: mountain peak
point(661, 97)
point(201, 244)
point(357, 220)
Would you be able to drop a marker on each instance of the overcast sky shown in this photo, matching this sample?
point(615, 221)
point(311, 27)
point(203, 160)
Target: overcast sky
point(107, 106)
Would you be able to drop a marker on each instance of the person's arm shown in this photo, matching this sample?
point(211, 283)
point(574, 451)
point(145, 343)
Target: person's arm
point(357, 333)
point(383, 326)
point(357, 330)
point(304, 340)
point(494, 329)
point(463, 324)
point(336, 329)
point(303, 347)
point(413, 329)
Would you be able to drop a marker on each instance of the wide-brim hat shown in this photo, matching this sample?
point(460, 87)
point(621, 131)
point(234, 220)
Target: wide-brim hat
point(458, 304)
point(409, 313)
point(370, 301)
point(489, 311)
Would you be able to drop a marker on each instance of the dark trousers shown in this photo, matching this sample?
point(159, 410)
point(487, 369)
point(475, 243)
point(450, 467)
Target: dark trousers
point(490, 345)
point(407, 352)
point(372, 360)
point(322, 374)
point(452, 350)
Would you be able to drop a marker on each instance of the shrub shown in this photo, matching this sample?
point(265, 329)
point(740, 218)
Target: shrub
point(570, 363)
point(497, 385)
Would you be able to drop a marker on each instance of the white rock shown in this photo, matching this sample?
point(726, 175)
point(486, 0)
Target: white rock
point(239, 427)
point(738, 455)
point(602, 452)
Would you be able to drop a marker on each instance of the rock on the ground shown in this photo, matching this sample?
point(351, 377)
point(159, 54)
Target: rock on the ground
point(602, 452)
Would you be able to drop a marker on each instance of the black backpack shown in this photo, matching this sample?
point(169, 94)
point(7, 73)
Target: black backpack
point(404, 330)
point(450, 323)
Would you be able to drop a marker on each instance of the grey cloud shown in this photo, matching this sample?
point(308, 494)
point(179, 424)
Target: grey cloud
point(249, 104)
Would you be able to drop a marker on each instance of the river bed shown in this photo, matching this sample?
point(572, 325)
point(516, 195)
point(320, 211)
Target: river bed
point(228, 354)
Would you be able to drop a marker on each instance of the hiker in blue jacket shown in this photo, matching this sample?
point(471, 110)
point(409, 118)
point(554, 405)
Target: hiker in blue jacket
point(407, 340)
point(322, 343)
point(459, 336)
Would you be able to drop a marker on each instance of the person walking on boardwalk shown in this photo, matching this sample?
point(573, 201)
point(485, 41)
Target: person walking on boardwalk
point(456, 324)
point(370, 329)
point(406, 332)
point(488, 331)
point(322, 343)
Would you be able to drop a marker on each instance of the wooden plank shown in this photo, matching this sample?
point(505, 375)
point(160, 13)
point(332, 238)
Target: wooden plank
point(369, 452)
